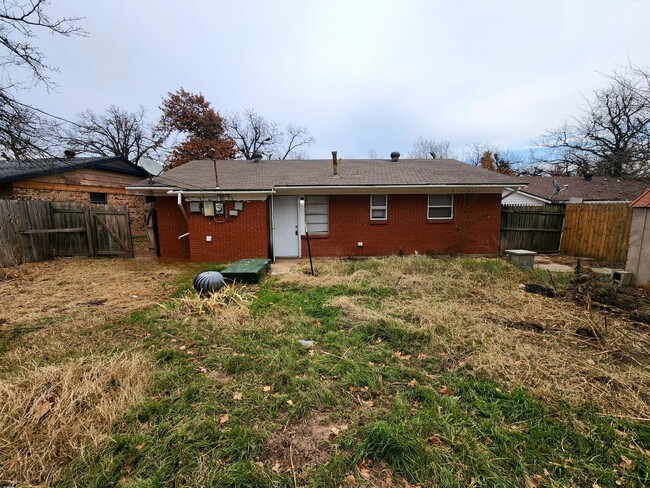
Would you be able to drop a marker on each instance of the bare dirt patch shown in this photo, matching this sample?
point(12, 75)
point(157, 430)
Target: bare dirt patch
point(51, 307)
point(304, 444)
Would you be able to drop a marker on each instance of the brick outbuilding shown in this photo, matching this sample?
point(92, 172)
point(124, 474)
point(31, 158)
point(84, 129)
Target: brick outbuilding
point(76, 179)
point(229, 210)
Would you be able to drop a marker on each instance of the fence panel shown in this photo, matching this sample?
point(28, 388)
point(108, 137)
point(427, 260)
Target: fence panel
point(535, 228)
point(17, 244)
point(37, 230)
point(597, 230)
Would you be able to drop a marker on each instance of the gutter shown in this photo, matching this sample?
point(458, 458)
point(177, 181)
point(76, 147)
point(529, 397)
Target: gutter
point(414, 187)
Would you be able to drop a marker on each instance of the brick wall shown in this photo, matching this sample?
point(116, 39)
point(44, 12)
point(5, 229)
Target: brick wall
point(171, 224)
point(474, 228)
point(244, 236)
point(135, 203)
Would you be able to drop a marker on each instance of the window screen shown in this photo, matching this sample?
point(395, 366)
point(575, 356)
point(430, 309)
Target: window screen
point(317, 213)
point(378, 207)
point(98, 198)
point(440, 207)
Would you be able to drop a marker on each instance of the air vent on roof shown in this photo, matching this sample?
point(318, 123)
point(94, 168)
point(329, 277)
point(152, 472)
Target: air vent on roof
point(257, 156)
point(69, 153)
point(394, 156)
point(587, 176)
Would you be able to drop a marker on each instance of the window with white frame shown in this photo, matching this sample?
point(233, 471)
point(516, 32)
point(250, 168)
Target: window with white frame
point(440, 207)
point(378, 207)
point(317, 213)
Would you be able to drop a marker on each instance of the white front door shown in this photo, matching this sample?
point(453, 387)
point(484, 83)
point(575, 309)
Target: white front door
point(286, 241)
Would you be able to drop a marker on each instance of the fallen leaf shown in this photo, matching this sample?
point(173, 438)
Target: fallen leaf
point(182, 348)
point(202, 369)
point(276, 467)
point(626, 463)
point(266, 388)
point(350, 479)
point(387, 482)
point(364, 389)
point(436, 441)
point(365, 474)
point(530, 483)
point(335, 430)
point(379, 339)
point(289, 402)
point(224, 418)
point(139, 446)
point(413, 382)
point(369, 403)
point(237, 396)
point(259, 464)
point(311, 352)
point(445, 390)
point(41, 409)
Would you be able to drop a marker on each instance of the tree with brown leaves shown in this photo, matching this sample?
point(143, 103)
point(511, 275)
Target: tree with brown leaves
point(191, 117)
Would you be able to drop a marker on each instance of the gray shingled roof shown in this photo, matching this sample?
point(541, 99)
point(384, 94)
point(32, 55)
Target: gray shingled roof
point(265, 175)
point(22, 170)
point(599, 188)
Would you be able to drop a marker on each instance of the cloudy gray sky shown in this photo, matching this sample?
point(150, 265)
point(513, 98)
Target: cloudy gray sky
point(359, 74)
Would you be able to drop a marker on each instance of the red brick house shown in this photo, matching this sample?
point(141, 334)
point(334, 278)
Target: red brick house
point(228, 210)
point(76, 179)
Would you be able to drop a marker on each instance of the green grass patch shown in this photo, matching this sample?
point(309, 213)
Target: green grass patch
point(221, 394)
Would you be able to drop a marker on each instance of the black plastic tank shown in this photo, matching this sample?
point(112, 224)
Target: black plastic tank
point(208, 282)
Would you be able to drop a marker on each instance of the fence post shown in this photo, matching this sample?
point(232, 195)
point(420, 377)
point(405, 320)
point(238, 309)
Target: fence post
point(89, 233)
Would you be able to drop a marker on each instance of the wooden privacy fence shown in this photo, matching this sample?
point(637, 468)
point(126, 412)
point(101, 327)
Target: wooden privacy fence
point(597, 230)
point(36, 230)
point(535, 228)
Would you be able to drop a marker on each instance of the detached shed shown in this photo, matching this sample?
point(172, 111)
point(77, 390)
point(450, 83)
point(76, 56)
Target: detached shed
point(638, 254)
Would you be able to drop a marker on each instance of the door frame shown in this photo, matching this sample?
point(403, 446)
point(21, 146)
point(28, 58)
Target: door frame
point(298, 237)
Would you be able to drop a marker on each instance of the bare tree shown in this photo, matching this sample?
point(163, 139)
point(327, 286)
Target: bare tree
point(252, 134)
point(424, 148)
point(20, 21)
point(373, 154)
point(116, 132)
point(612, 135)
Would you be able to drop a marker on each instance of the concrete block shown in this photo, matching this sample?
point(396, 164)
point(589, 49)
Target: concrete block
point(622, 277)
point(521, 257)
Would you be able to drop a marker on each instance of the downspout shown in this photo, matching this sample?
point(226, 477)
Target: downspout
point(179, 202)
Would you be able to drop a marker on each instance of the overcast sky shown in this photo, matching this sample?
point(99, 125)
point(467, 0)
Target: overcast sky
point(359, 74)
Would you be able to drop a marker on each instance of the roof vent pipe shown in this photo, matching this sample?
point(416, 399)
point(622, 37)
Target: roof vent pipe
point(257, 156)
point(394, 156)
point(69, 153)
point(587, 176)
point(335, 164)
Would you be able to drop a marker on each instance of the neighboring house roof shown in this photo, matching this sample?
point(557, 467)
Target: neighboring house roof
point(642, 201)
point(599, 188)
point(241, 175)
point(23, 170)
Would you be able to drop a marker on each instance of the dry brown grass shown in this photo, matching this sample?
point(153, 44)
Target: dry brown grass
point(50, 414)
point(466, 310)
point(53, 307)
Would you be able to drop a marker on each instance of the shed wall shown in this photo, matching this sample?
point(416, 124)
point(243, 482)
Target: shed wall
point(638, 254)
